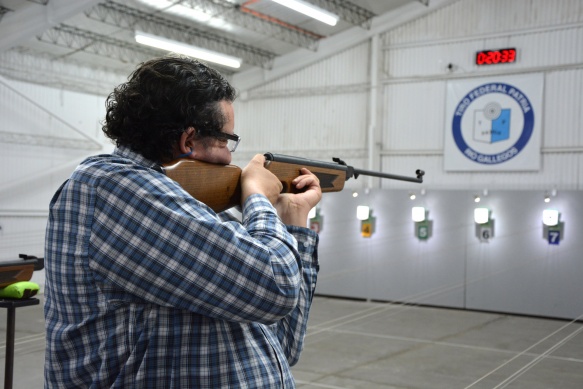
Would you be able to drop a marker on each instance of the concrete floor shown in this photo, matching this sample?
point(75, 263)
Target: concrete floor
point(368, 345)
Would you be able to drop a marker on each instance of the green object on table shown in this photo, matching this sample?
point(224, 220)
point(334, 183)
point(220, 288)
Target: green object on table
point(19, 290)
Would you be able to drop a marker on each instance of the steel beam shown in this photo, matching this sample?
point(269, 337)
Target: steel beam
point(3, 11)
point(232, 13)
point(129, 18)
point(58, 73)
point(17, 27)
point(347, 11)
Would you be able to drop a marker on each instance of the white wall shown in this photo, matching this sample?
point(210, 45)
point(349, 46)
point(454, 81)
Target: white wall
point(44, 134)
point(516, 271)
point(547, 35)
point(336, 94)
point(319, 112)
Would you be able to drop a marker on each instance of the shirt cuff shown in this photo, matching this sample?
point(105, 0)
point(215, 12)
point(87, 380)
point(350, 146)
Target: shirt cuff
point(307, 243)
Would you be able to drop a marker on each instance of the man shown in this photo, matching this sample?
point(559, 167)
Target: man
point(146, 287)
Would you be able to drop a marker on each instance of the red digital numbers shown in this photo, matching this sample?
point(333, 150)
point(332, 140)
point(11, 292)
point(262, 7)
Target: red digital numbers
point(493, 57)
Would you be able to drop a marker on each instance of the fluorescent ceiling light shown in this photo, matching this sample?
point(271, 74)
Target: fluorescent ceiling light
point(189, 12)
point(310, 10)
point(192, 51)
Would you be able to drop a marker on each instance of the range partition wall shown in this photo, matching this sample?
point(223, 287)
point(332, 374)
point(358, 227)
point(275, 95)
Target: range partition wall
point(523, 267)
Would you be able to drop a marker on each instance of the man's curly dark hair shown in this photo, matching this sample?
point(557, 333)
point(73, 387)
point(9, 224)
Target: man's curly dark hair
point(163, 98)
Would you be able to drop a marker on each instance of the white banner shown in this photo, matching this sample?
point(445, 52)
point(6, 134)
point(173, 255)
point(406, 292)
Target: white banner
point(494, 124)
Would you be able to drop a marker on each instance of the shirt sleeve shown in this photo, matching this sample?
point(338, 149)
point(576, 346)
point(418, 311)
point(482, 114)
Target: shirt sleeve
point(291, 330)
point(151, 242)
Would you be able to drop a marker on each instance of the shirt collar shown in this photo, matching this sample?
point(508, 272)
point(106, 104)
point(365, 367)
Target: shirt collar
point(128, 153)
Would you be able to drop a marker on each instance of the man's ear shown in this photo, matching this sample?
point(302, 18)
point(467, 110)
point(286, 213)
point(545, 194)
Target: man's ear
point(186, 143)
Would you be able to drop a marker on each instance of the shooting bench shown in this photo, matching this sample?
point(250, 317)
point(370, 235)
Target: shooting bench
point(11, 306)
point(11, 272)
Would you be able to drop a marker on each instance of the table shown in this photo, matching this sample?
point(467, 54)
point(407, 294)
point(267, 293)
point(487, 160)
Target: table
point(11, 305)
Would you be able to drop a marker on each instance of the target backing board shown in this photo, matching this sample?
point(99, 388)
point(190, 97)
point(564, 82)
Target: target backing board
point(494, 124)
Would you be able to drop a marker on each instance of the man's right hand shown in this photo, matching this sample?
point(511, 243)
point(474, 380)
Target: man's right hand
point(255, 178)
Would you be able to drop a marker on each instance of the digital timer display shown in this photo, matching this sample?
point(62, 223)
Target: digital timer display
point(493, 57)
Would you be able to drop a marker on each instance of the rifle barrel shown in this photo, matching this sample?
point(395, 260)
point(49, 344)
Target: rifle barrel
point(338, 164)
point(418, 179)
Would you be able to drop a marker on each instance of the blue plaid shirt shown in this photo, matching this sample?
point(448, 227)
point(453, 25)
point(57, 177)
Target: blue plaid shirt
point(146, 287)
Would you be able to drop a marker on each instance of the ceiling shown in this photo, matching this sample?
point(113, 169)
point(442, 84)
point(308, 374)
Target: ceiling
point(83, 44)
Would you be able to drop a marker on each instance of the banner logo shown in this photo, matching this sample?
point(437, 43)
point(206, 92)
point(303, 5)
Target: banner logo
point(493, 123)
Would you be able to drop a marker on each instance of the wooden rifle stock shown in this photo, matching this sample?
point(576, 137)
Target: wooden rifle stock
point(219, 187)
point(19, 270)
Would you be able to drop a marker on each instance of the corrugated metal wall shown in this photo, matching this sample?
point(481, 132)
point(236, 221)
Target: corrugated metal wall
point(548, 37)
point(306, 124)
point(471, 17)
point(325, 107)
point(346, 68)
point(44, 134)
point(319, 112)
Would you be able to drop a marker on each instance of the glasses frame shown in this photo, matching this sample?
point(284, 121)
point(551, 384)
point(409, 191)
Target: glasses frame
point(232, 139)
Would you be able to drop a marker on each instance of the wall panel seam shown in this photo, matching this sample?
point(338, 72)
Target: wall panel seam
point(486, 35)
point(505, 72)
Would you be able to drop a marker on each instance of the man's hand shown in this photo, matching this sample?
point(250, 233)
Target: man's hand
point(255, 178)
point(293, 209)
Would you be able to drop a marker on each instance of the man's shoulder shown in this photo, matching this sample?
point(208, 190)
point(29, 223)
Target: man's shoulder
point(111, 167)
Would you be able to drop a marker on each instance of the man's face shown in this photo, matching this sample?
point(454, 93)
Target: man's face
point(216, 150)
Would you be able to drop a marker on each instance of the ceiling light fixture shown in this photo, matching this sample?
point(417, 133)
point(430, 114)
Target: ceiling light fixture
point(178, 9)
point(192, 51)
point(310, 10)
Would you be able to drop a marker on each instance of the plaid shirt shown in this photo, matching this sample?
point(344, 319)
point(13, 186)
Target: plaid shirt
point(146, 287)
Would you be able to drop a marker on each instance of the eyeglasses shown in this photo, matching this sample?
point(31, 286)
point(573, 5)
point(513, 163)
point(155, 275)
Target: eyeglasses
point(231, 139)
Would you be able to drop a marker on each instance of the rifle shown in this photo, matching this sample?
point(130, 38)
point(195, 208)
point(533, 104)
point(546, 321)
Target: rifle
point(20, 270)
point(218, 186)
